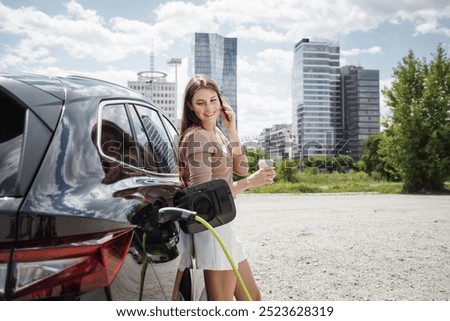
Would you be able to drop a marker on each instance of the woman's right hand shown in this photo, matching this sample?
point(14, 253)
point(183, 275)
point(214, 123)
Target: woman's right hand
point(228, 115)
point(263, 176)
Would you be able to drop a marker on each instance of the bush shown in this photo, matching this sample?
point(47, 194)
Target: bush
point(287, 170)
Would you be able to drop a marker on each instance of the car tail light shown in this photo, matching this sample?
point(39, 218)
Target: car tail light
point(79, 264)
point(4, 259)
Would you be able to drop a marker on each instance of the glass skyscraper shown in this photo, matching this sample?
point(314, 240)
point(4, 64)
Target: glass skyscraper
point(361, 101)
point(316, 98)
point(216, 56)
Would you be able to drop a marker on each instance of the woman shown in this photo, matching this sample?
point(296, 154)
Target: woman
point(205, 154)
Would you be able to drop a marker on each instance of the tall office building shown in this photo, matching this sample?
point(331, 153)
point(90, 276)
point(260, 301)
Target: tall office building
point(361, 101)
point(154, 85)
point(316, 97)
point(215, 56)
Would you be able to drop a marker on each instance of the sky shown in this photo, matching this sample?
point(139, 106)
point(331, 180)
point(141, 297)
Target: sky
point(113, 40)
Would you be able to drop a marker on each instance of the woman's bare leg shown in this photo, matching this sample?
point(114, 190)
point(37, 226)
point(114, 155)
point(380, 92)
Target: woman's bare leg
point(223, 285)
point(249, 280)
point(176, 287)
point(220, 285)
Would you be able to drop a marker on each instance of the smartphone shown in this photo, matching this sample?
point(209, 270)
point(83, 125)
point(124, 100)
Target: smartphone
point(221, 100)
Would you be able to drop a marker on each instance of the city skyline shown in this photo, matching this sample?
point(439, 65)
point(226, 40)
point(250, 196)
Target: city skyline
point(111, 40)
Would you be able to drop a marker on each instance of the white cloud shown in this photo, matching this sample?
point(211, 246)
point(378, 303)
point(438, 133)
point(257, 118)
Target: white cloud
point(85, 33)
point(247, 85)
point(431, 18)
point(25, 54)
point(247, 65)
point(175, 20)
point(261, 111)
point(430, 25)
point(385, 110)
point(282, 59)
point(266, 61)
point(81, 33)
point(77, 12)
point(357, 51)
point(256, 32)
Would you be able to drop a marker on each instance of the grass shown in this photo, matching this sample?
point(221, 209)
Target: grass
point(352, 182)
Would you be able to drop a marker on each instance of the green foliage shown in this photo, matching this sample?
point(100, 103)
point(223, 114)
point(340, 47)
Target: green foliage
point(253, 157)
point(373, 161)
point(287, 170)
point(311, 182)
point(311, 171)
point(416, 142)
point(286, 187)
point(336, 163)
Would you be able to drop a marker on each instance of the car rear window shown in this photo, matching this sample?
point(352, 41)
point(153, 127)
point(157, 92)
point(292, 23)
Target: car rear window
point(158, 141)
point(12, 123)
point(135, 136)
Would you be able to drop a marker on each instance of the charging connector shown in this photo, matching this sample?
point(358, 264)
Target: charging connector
point(174, 214)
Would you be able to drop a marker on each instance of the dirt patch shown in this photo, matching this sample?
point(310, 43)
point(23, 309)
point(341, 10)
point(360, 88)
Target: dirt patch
point(347, 246)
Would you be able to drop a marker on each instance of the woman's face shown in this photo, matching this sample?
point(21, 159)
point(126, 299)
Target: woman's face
point(206, 106)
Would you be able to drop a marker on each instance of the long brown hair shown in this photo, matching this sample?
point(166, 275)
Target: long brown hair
point(189, 119)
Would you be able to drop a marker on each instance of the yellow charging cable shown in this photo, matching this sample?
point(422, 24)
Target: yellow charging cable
point(225, 250)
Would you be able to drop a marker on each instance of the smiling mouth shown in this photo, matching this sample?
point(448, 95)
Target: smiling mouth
point(210, 115)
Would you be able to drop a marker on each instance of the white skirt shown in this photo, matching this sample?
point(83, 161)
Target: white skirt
point(206, 250)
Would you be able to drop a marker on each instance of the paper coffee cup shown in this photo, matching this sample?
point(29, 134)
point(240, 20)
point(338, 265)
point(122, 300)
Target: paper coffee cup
point(265, 163)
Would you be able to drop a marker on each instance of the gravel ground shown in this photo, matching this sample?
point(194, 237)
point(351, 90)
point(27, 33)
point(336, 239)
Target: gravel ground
point(342, 247)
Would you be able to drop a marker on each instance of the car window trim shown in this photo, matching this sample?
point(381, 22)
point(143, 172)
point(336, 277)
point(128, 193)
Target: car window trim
point(126, 103)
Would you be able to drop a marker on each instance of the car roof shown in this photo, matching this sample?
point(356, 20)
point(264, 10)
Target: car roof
point(77, 84)
point(50, 85)
point(82, 86)
point(36, 91)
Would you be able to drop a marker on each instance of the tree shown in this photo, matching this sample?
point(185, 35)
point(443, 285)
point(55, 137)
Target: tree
point(373, 161)
point(417, 135)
